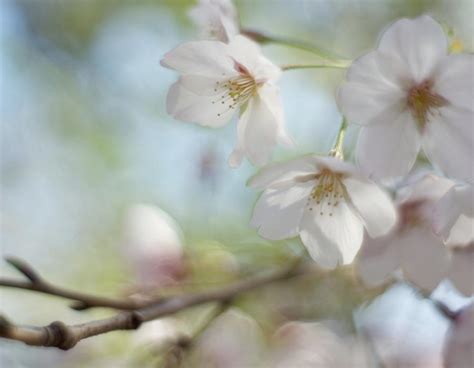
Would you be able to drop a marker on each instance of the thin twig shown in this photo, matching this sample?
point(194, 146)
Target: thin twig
point(81, 300)
point(63, 336)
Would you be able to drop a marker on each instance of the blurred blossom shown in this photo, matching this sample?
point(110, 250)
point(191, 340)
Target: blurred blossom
point(160, 333)
point(324, 200)
point(408, 93)
point(461, 271)
point(216, 19)
point(218, 80)
point(412, 246)
point(234, 340)
point(307, 345)
point(459, 349)
point(404, 329)
point(153, 246)
point(454, 215)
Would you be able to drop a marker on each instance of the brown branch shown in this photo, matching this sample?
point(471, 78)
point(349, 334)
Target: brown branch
point(81, 300)
point(63, 336)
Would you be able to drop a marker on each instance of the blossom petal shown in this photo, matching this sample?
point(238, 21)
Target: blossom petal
point(278, 212)
point(331, 239)
point(389, 149)
point(454, 80)
point(368, 96)
point(420, 43)
point(374, 205)
point(248, 53)
point(209, 58)
point(460, 340)
point(187, 106)
point(461, 273)
point(448, 141)
point(259, 129)
point(279, 173)
point(453, 216)
point(424, 258)
point(378, 259)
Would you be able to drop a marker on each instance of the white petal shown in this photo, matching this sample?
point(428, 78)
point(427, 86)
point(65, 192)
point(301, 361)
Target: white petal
point(187, 106)
point(461, 273)
point(448, 141)
point(453, 215)
point(276, 174)
point(278, 212)
point(209, 58)
point(331, 238)
point(336, 165)
point(202, 85)
point(258, 131)
point(367, 95)
point(389, 149)
point(424, 258)
point(378, 259)
point(420, 43)
point(454, 80)
point(374, 206)
point(249, 54)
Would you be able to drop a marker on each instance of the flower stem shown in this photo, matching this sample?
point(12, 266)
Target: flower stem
point(337, 64)
point(263, 38)
point(338, 150)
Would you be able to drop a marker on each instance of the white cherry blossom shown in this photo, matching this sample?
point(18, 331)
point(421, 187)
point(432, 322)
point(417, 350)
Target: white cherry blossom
point(325, 201)
point(216, 19)
point(219, 79)
point(413, 248)
point(153, 245)
point(454, 215)
point(410, 93)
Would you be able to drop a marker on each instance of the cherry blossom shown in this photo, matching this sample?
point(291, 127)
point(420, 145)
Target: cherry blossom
point(310, 344)
point(325, 201)
point(220, 79)
point(217, 19)
point(454, 215)
point(412, 247)
point(410, 93)
point(153, 244)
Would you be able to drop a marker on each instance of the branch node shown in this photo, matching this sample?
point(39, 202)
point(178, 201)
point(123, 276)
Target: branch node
point(59, 335)
point(25, 269)
point(79, 305)
point(136, 319)
point(5, 326)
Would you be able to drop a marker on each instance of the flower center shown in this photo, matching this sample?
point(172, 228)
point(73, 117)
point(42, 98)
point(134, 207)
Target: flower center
point(235, 91)
point(327, 193)
point(422, 101)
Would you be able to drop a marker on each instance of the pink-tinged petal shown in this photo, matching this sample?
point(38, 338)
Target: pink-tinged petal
point(277, 174)
point(453, 216)
point(258, 130)
point(461, 273)
point(419, 43)
point(208, 58)
point(367, 95)
point(428, 188)
point(336, 165)
point(448, 141)
point(278, 212)
point(189, 107)
point(389, 149)
point(424, 257)
point(378, 259)
point(458, 352)
point(374, 206)
point(331, 237)
point(248, 53)
point(454, 81)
